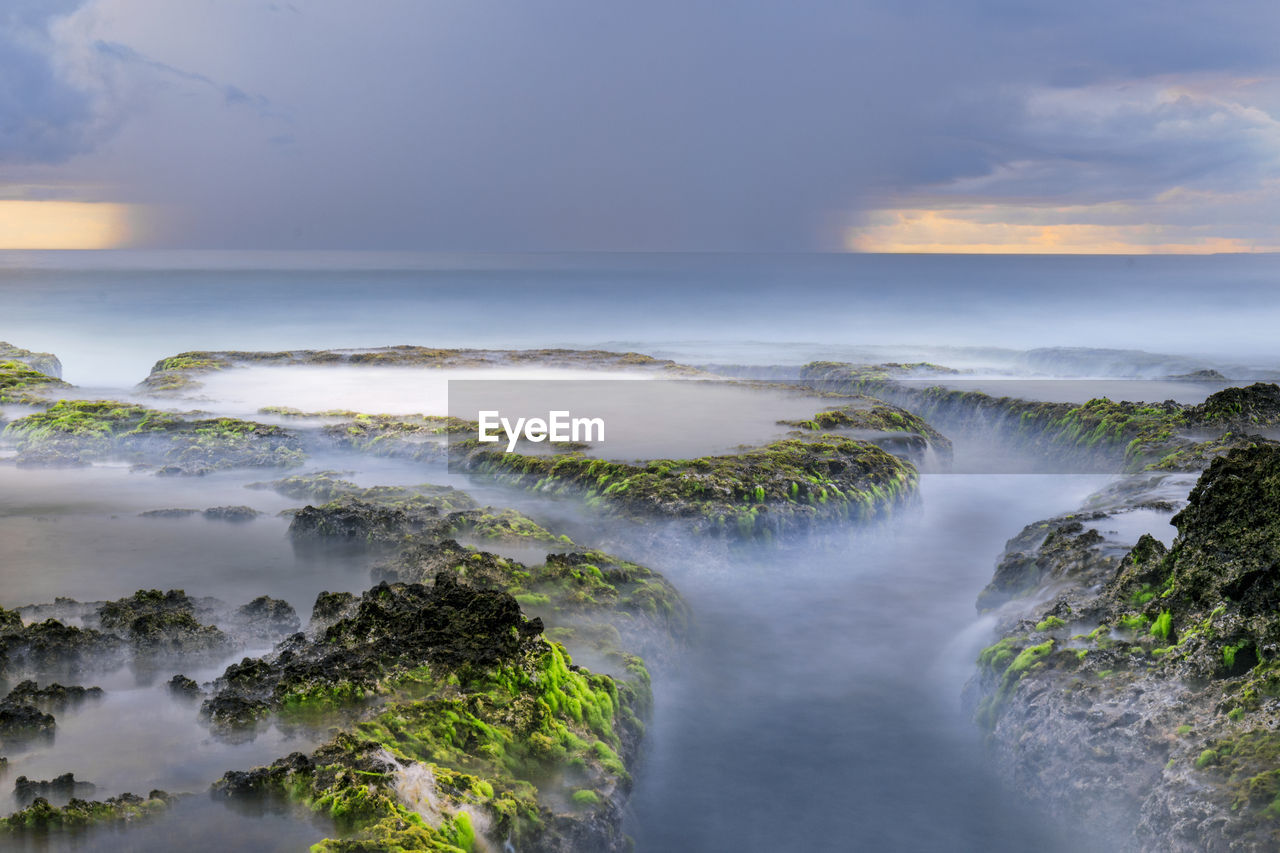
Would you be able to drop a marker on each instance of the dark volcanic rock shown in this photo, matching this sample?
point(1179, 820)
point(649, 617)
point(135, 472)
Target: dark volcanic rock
point(1241, 408)
point(162, 622)
point(393, 626)
point(53, 645)
point(230, 710)
point(331, 606)
point(358, 521)
point(265, 619)
point(54, 696)
point(20, 720)
point(25, 790)
point(181, 685)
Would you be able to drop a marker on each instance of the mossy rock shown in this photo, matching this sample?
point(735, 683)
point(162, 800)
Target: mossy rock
point(82, 431)
point(787, 486)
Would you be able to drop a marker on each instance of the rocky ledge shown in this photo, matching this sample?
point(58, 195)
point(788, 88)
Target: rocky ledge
point(180, 374)
point(1138, 693)
point(789, 486)
point(77, 432)
point(1101, 433)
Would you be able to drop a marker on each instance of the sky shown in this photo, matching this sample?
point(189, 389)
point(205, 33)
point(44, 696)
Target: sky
point(668, 125)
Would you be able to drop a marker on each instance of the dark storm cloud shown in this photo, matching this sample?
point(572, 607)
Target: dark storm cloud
point(42, 119)
point(675, 125)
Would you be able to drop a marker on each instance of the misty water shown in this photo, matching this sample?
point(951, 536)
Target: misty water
point(817, 706)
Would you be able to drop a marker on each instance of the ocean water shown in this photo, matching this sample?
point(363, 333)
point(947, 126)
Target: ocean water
point(111, 315)
point(817, 707)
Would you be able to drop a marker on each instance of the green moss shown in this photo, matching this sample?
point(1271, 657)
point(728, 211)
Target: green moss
point(1248, 762)
point(1049, 623)
point(996, 658)
point(21, 383)
point(798, 481)
point(1206, 758)
point(585, 797)
point(1163, 625)
point(1135, 622)
point(42, 818)
point(1001, 660)
point(83, 430)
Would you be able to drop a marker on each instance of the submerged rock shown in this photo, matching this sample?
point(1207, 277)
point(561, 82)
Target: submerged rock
point(169, 513)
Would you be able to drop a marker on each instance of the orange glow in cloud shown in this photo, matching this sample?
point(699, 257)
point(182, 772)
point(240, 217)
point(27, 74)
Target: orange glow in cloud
point(63, 225)
point(991, 229)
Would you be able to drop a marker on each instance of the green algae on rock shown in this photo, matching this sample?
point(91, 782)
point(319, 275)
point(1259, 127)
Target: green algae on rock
point(479, 714)
point(787, 486)
point(1125, 435)
point(80, 431)
point(45, 362)
point(1130, 657)
point(180, 373)
point(889, 427)
point(40, 817)
point(20, 383)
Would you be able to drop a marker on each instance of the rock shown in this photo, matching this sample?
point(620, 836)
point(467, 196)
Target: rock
point(1056, 550)
point(1143, 701)
point(265, 619)
point(231, 513)
point(787, 487)
point(83, 431)
point(158, 622)
point(1241, 409)
point(23, 384)
point(20, 720)
point(54, 646)
point(357, 522)
point(25, 790)
point(54, 696)
point(181, 685)
point(230, 710)
point(332, 606)
point(44, 362)
point(40, 818)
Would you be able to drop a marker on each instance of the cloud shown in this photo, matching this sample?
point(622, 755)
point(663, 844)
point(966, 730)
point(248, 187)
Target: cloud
point(42, 119)
point(672, 124)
